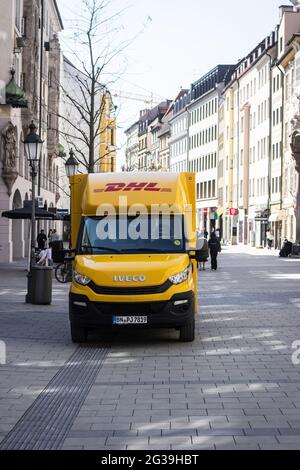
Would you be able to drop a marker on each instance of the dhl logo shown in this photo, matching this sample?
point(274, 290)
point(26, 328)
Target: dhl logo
point(123, 187)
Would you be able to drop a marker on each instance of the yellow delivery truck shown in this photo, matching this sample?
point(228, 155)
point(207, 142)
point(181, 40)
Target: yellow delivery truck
point(134, 236)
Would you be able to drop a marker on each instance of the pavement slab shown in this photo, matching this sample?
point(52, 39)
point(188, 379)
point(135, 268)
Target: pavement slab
point(234, 387)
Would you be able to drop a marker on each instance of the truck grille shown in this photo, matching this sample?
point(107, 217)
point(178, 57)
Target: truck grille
point(106, 290)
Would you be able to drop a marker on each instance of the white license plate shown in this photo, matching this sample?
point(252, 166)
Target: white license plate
point(130, 320)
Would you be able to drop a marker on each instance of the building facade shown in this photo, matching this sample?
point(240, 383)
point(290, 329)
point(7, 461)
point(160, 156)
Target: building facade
point(150, 123)
point(179, 138)
point(30, 61)
point(203, 132)
point(107, 162)
point(289, 62)
point(260, 179)
point(164, 135)
point(233, 128)
point(132, 148)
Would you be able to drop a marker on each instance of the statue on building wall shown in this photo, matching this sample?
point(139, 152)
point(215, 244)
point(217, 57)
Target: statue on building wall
point(9, 155)
point(295, 143)
point(9, 135)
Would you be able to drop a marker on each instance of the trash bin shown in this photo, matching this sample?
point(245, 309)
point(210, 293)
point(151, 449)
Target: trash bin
point(40, 282)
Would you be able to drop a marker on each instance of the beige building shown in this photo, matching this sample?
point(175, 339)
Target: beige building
point(132, 148)
point(289, 61)
point(149, 144)
point(29, 47)
point(258, 171)
point(164, 135)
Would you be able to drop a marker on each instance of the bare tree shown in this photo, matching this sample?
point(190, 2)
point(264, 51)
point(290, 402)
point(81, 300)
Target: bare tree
point(85, 91)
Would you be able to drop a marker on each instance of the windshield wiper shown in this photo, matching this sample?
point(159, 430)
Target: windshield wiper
point(106, 248)
point(145, 250)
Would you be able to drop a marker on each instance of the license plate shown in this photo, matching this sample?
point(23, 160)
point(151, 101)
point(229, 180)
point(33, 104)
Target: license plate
point(130, 320)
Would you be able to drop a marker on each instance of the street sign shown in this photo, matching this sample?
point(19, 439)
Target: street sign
point(233, 212)
point(40, 202)
point(62, 211)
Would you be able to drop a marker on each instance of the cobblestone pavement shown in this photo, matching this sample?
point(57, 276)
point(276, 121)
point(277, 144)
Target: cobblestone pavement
point(235, 387)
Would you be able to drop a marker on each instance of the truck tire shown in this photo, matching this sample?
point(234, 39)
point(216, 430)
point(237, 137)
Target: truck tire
point(78, 334)
point(187, 332)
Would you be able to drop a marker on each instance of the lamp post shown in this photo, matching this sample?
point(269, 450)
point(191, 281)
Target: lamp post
point(71, 167)
point(33, 147)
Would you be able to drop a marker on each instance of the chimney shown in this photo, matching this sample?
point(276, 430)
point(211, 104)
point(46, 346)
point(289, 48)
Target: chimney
point(285, 9)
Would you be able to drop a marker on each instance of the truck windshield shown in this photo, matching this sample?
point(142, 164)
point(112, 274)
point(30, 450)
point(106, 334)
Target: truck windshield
point(140, 234)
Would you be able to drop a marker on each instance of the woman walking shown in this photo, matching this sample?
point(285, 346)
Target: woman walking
point(214, 248)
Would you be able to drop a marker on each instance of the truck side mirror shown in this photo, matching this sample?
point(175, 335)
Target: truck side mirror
point(192, 254)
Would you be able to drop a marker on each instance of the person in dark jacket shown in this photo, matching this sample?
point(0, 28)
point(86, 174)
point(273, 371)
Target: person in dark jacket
point(214, 248)
point(41, 240)
point(287, 249)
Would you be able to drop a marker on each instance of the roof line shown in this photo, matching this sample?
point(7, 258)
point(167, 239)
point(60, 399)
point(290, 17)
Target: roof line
point(58, 14)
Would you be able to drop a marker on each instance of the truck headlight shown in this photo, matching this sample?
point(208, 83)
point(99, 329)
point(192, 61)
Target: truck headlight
point(182, 276)
point(81, 279)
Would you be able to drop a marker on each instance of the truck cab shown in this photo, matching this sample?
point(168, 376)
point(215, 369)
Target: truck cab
point(134, 237)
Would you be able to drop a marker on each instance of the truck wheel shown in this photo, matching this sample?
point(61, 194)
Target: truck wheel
point(78, 334)
point(187, 332)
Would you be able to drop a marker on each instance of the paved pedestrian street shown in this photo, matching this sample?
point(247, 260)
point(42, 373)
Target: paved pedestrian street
point(235, 387)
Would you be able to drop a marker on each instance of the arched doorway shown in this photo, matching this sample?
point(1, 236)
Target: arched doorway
point(17, 229)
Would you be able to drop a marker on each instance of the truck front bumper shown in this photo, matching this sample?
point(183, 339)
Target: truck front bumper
point(173, 313)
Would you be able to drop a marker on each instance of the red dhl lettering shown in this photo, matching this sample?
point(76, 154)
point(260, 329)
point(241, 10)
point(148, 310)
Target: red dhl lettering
point(123, 187)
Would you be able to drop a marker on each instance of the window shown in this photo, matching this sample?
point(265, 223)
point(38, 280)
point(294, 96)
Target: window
point(242, 157)
point(18, 15)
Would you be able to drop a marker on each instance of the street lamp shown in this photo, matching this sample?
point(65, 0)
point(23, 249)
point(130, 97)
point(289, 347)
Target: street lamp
point(71, 165)
point(33, 147)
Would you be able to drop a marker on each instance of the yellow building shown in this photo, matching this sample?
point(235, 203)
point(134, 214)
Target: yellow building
point(107, 151)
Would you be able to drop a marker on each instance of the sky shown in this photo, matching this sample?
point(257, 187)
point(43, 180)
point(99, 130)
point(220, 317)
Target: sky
point(177, 42)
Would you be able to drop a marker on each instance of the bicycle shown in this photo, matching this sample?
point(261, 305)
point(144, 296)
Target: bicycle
point(63, 271)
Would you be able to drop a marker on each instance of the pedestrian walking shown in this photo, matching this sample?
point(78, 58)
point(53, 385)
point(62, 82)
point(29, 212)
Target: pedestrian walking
point(45, 257)
point(50, 233)
point(214, 248)
point(270, 239)
point(41, 240)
